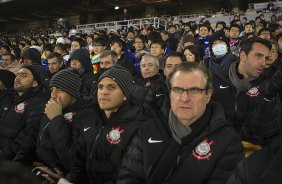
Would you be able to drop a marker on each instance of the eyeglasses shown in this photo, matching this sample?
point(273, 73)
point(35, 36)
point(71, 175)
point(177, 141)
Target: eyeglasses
point(190, 91)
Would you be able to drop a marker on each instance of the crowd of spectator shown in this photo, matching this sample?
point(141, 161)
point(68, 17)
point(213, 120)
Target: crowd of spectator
point(188, 104)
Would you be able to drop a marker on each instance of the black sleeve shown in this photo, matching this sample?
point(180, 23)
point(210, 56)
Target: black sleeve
point(132, 167)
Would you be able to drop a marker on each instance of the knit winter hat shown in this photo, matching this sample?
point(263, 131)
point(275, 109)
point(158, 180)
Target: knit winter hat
point(37, 70)
point(68, 81)
point(32, 54)
point(7, 78)
point(121, 76)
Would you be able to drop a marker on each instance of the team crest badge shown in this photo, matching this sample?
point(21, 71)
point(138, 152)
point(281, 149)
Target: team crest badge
point(203, 150)
point(20, 107)
point(114, 135)
point(253, 92)
point(69, 116)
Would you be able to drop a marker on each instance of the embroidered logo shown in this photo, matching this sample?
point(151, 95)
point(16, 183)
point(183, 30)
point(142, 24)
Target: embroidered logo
point(203, 150)
point(114, 135)
point(253, 92)
point(20, 107)
point(69, 116)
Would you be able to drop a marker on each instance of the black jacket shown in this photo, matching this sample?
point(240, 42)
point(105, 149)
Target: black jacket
point(157, 91)
point(262, 167)
point(155, 157)
point(253, 117)
point(17, 120)
point(58, 138)
point(100, 151)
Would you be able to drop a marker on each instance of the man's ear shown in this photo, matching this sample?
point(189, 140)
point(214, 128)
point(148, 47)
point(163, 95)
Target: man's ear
point(208, 97)
point(124, 98)
point(243, 56)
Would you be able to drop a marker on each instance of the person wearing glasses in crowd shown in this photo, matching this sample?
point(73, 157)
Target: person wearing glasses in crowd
point(193, 144)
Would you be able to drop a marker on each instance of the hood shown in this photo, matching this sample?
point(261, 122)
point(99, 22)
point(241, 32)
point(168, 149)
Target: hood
point(83, 56)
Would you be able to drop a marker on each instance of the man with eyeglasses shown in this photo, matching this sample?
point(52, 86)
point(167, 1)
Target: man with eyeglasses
point(193, 144)
point(248, 96)
point(16, 120)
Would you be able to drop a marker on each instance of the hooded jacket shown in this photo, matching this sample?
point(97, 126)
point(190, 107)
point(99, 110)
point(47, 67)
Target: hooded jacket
point(100, 150)
point(155, 157)
point(86, 72)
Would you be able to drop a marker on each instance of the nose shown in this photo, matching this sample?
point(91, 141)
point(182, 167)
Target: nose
point(54, 94)
point(185, 96)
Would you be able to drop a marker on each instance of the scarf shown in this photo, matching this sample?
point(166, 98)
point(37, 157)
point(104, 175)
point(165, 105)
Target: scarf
point(178, 130)
point(240, 84)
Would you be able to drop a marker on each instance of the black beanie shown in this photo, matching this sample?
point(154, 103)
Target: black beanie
point(7, 77)
point(32, 54)
point(219, 35)
point(121, 76)
point(37, 71)
point(83, 56)
point(68, 81)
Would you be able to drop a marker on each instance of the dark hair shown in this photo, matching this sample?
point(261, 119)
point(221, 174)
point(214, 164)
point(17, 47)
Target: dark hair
point(120, 42)
point(48, 47)
point(101, 40)
point(174, 54)
point(57, 56)
point(220, 22)
point(139, 37)
point(248, 24)
point(6, 47)
point(154, 35)
point(263, 30)
point(17, 52)
point(189, 67)
point(247, 45)
point(159, 42)
point(194, 50)
point(80, 41)
point(204, 25)
point(11, 56)
point(62, 47)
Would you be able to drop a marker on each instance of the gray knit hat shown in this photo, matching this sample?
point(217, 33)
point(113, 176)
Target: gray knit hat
point(121, 76)
point(68, 81)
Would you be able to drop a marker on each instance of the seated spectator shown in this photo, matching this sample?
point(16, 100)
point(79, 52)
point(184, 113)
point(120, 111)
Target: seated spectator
point(99, 45)
point(62, 49)
point(60, 128)
point(192, 54)
point(192, 139)
point(17, 120)
point(243, 87)
point(125, 59)
point(265, 34)
point(10, 63)
point(140, 51)
point(55, 63)
point(6, 89)
point(100, 150)
point(80, 60)
point(157, 49)
point(151, 80)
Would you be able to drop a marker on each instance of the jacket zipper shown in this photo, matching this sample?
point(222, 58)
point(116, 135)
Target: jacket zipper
point(96, 139)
